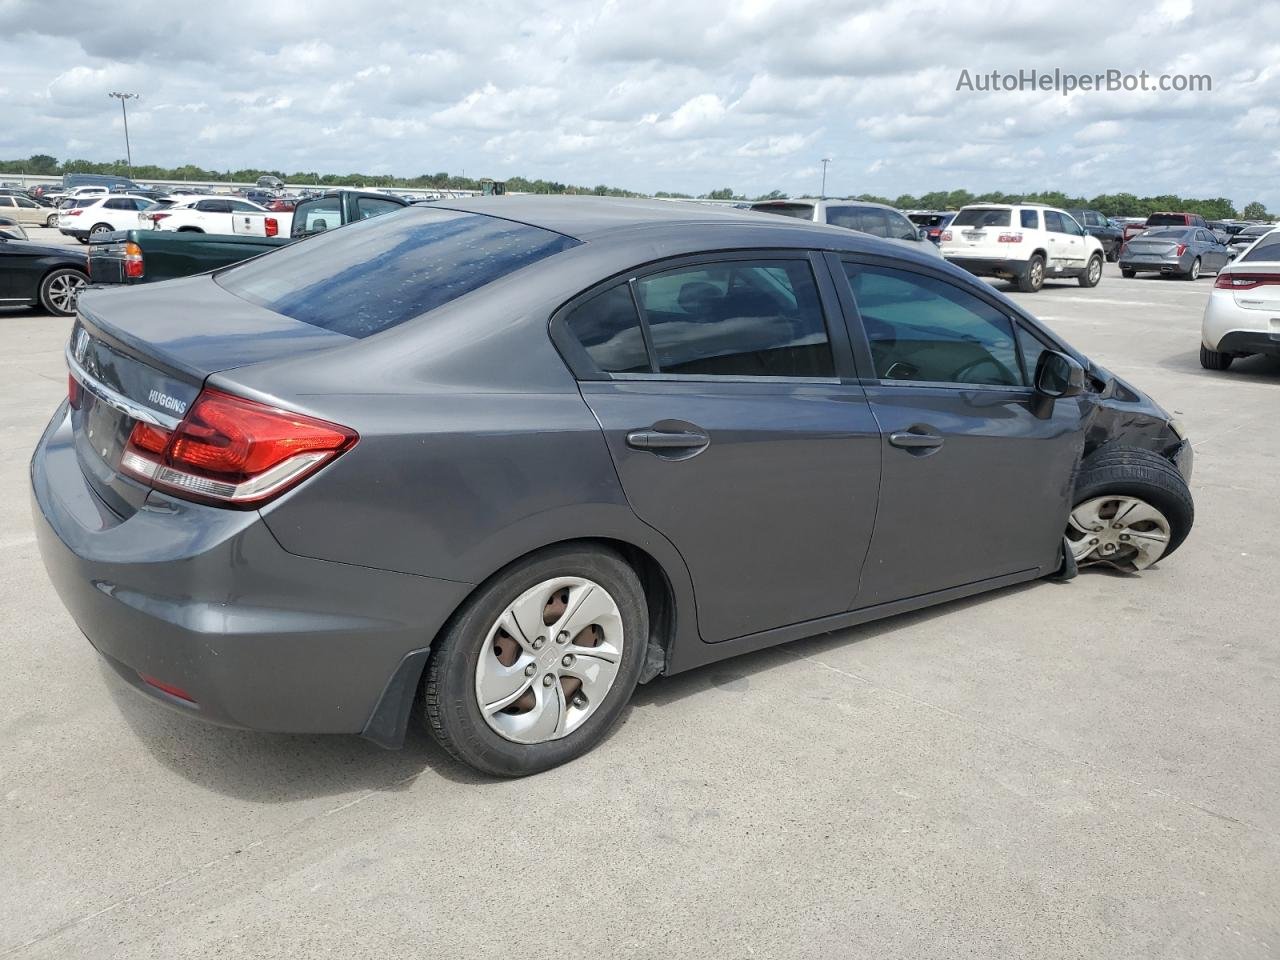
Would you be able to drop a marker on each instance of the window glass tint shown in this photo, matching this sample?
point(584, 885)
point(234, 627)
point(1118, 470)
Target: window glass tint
point(738, 319)
point(1030, 219)
point(925, 329)
point(1166, 220)
point(863, 219)
point(316, 215)
point(1268, 248)
point(372, 207)
point(1031, 350)
point(241, 206)
point(24, 202)
point(380, 272)
point(981, 217)
point(6, 202)
point(1053, 222)
point(608, 327)
point(801, 211)
point(900, 228)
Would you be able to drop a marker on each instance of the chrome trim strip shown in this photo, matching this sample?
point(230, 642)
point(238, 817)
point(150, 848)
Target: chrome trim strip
point(122, 403)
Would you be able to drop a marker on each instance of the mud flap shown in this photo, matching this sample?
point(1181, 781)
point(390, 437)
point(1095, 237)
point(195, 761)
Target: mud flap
point(1068, 569)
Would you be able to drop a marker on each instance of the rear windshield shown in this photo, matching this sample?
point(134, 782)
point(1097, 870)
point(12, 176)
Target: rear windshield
point(927, 219)
point(981, 217)
point(377, 273)
point(1166, 220)
point(1168, 232)
point(801, 211)
point(1267, 249)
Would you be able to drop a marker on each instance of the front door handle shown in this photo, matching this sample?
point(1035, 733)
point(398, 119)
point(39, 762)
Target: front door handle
point(910, 440)
point(653, 439)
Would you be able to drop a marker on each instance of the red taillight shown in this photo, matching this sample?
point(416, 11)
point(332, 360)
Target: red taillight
point(271, 225)
point(168, 688)
point(1182, 248)
point(934, 232)
point(946, 235)
point(233, 451)
point(132, 260)
point(157, 217)
point(72, 213)
point(73, 391)
point(1009, 238)
point(1245, 281)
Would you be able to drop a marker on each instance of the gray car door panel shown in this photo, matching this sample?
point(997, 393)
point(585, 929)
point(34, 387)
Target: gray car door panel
point(975, 485)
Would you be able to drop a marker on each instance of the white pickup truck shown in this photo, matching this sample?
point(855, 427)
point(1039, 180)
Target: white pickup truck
point(225, 215)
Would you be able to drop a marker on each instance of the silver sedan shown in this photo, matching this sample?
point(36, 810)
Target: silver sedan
point(1185, 252)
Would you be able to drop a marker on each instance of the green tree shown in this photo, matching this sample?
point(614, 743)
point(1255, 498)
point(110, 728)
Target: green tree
point(1254, 210)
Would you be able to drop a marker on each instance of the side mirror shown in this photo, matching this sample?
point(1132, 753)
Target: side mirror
point(922, 234)
point(1058, 375)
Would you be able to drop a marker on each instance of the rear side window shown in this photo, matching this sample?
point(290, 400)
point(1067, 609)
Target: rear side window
point(1030, 219)
point(317, 215)
point(373, 207)
point(981, 217)
point(921, 328)
point(608, 327)
point(377, 273)
point(737, 319)
point(863, 219)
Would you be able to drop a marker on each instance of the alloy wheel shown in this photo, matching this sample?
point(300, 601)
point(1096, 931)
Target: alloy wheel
point(1037, 274)
point(549, 661)
point(63, 289)
point(1123, 531)
point(1095, 271)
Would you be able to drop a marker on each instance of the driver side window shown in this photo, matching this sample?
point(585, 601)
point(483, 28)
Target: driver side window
point(925, 329)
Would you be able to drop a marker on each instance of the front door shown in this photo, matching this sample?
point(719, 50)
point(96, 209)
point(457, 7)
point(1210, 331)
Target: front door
point(975, 485)
point(718, 386)
point(1066, 244)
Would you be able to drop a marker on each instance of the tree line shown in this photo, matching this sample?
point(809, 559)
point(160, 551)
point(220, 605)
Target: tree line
point(1112, 204)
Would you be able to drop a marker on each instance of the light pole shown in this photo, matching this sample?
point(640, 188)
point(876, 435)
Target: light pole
point(122, 97)
point(823, 194)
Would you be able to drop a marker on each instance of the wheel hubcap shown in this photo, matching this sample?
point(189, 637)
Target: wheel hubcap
point(1095, 271)
point(1037, 273)
point(62, 291)
point(1123, 531)
point(549, 660)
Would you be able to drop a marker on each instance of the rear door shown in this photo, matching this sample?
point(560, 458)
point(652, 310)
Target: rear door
point(726, 396)
point(1066, 243)
point(976, 484)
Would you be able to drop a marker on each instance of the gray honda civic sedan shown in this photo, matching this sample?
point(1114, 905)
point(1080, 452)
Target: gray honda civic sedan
point(506, 458)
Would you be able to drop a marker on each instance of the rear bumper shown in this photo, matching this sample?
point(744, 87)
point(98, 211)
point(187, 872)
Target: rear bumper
point(1159, 266)
point(1243, 342)
point(1230, 328)
point(207, 601)
point(990, 266)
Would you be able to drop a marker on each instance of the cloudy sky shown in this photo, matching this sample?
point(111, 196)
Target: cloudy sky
point(655, 95)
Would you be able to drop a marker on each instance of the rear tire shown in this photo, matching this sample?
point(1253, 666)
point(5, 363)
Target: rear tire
point(1194, 272)
point(1033, 279)
point(58, 291)
point(1213, 360)
point(1113, 254)
point(1092, 273)
point(1127, 273)
point(454, 672)
point(1143, 475)
point(99, 230)
point(51, 220)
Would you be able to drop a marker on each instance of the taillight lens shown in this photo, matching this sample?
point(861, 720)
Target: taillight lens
point(73, 391)
point(132, 260)
point(1009, 238)
point(946, 235)
point(157, 217)
point(271, 225)
point(1182, 248)
point(1245, 281)
point(233, 451)
point(72, 213)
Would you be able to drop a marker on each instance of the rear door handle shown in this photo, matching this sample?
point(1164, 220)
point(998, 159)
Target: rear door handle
point(909, 440)
point(667, 439)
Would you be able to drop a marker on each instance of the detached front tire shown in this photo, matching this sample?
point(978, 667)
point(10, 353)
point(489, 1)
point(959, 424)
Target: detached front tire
point(537, 666)
point(1132, 509)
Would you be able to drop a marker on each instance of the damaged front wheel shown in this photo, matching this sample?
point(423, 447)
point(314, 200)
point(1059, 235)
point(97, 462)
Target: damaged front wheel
point(1132, 509)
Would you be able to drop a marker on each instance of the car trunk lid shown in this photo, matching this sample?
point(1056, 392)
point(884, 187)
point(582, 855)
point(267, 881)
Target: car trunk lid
point(976, 231)
point(142, 354)
point(1153, 246)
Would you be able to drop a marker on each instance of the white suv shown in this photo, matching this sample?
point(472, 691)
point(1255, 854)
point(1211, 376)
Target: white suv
point(91, 216)
point(1025, 243)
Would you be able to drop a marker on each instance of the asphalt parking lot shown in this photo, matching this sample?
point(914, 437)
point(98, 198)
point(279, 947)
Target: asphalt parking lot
point(1055, 770)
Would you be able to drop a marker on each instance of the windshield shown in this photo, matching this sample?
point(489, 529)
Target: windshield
point(981, 217)
point(377, 273)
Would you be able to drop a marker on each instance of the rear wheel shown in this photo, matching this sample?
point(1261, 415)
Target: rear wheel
point(1033, 279)
point(1194, 272)
point(100, 230)
point(1127, 273)
point(1132, 509)
point(1213, 360)
point(537, 667)
point(51, 220)
point(1092, 273)
point(58, 291)
point(1113, 254)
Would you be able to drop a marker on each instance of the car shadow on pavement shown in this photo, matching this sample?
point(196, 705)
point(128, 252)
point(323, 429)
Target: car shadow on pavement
point(1255, 369)
point(281, 768)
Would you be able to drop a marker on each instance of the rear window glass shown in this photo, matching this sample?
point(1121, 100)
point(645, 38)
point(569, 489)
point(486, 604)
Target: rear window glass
point(608, 327)
point(801, 211)
point(927, 219)
point(1168, 232)
point(981, 217)
point(1166, 220)
point(1268, 249)
point(380, 272)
